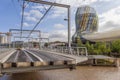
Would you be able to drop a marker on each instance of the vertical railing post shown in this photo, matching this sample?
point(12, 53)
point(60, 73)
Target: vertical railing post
point(86, 51)
point(77, 51)
point(40, 40)
point(62, 49)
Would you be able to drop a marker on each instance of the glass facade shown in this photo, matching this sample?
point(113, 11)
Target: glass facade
point(86, 21)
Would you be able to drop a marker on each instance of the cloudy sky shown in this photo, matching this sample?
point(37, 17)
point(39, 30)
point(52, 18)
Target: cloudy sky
point(53, 25)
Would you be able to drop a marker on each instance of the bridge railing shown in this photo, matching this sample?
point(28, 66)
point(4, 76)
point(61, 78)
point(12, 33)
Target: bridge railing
point(78, 51)
point(3, 50)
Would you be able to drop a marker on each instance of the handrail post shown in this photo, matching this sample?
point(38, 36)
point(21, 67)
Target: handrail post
point(86, 51)
point(62, 49)
point(77, 51)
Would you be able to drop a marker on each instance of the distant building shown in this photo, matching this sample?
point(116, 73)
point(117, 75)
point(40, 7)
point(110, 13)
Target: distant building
point(57, 43)
point(3, 39)
point(17, 44)
point(21, 44)
point(34, 44)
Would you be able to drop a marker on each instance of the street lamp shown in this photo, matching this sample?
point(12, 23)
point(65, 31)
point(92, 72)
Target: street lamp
point(69, 33)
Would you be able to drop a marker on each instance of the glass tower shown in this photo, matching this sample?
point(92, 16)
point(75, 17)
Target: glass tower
point(86, 21)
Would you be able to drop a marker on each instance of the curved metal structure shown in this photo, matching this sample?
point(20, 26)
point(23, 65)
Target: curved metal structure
point(86, 21)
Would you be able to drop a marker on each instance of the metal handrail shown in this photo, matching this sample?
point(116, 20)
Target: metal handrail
point(74, 50)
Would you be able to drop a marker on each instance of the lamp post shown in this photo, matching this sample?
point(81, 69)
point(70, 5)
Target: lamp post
point(69, 33)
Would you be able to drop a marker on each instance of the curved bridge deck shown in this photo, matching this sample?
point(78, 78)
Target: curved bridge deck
point(33, 60)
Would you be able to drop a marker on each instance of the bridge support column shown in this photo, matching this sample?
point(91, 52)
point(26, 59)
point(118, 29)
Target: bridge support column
point(72, 67)
point(94, 62)
point(1, 70)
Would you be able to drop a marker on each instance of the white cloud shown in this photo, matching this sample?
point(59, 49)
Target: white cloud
point(58, 12)
point(109, 26)
point(61, 35)
point(33, 15)
point(25, 24)
point(76, 3)
point(104, 0)
point(40, 7)
point(37, 7)
point(44, 35)
point(59, 26)
point(58, 35)
point(31, 18)
point(111, 15)
point(110, 19)
point(36, 13)
point(26, 14)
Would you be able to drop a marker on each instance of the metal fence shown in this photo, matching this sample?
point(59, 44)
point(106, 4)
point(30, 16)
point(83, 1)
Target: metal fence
point(78, 51)
point(3, 50)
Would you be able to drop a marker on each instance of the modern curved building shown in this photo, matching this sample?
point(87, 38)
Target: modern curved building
point(87, 27)
point(86, 20)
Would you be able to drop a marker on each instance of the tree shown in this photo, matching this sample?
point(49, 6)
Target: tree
point(78, 42)
point(90, 47)
point(46, 44)
point(115, 46)
point(97, 48)
point(101, 48)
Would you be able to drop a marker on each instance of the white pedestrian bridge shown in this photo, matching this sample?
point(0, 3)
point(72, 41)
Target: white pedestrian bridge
point(27, 60)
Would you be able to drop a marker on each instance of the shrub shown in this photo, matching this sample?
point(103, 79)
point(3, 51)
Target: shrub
point(98, 48)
